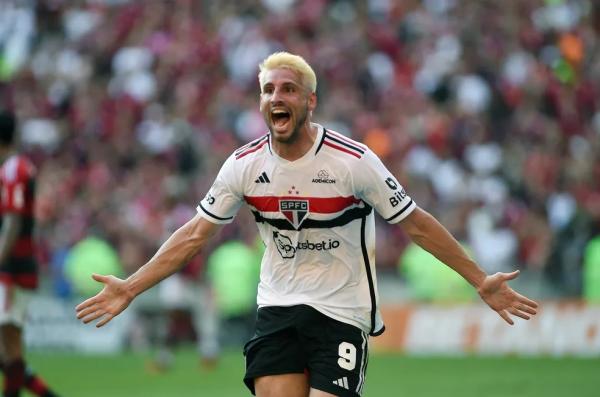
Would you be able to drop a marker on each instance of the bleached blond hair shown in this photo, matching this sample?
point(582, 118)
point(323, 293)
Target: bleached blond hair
point(296, 63)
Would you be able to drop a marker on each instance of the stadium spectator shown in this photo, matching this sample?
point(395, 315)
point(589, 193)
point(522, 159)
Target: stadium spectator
point(313, 194)
point(18, 267)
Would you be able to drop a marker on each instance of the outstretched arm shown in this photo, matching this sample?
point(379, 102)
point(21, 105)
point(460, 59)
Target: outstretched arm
point(117, 294)
point(430, 235)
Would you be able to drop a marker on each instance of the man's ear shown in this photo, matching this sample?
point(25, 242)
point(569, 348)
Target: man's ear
point(312, 101)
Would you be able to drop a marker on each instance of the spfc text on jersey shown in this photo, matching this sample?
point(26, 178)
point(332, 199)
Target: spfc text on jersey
point(293, 205)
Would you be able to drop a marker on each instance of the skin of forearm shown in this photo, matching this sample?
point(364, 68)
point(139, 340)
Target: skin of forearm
point(182, 246)
point(430, 235)
point(11, 227)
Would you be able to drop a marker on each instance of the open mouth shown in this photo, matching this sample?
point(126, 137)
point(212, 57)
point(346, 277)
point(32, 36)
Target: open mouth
point(280, 118)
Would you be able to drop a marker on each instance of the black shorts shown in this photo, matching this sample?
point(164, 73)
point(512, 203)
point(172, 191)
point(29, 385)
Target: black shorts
point(300, 339)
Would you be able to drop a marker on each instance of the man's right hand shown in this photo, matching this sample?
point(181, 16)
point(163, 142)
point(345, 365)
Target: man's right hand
point(108, 303)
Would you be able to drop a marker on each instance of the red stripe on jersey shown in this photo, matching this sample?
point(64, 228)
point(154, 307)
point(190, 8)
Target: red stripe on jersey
point(250, 144)
point(25, 280)
point(26, 210)
point(341, 149)
point(239, 156)
point(6, 279)
point(23, 247)
point(346, 139)
point(316, 205)
point(28, 281)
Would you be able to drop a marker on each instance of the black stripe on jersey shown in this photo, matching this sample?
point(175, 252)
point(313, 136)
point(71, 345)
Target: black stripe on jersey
point(381, 331)
point(363, 246)
point(322, 140)
point(344, 219)
point(20, 266)
point(213, 215)
point(349, 146)
point(399, 212)
point(27, 226)
point(250, 145)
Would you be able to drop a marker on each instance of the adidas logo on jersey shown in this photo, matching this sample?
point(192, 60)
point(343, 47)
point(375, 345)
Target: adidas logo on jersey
point(262, 178)
point(342, 382)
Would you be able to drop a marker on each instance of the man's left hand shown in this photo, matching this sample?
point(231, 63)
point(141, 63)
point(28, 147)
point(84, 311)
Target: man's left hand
point(504, 300)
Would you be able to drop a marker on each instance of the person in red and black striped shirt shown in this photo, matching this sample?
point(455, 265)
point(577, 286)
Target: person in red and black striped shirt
point(18, 268)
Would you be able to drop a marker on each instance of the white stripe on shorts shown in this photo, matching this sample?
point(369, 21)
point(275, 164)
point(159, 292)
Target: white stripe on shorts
point(363, 361)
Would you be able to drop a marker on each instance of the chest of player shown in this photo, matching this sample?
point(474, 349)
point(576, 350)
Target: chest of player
point(309, 181)
point(314, 191)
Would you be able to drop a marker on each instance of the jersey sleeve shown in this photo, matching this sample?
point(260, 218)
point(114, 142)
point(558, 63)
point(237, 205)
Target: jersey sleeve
point(224, 199)
point(376, 185)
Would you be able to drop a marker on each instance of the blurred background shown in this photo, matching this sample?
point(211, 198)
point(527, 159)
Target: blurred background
point(487, 112)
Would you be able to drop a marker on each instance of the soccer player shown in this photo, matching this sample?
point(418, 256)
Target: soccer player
point(313, 193)
point(18, 268)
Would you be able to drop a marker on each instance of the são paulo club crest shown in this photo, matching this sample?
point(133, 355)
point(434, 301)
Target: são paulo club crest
point(294, 210)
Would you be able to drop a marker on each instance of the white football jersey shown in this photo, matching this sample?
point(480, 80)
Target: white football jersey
point(315, 217)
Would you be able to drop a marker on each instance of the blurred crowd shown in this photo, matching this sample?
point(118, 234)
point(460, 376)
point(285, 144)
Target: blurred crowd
point(488, 112)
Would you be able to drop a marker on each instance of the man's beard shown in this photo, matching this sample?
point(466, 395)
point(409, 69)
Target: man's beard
point(296, 131)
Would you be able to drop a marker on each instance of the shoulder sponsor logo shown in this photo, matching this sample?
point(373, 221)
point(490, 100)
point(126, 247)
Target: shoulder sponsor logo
point(295, 211)
point(287, 249)
point(391, 183)
point(323, 177)
point(398, 196)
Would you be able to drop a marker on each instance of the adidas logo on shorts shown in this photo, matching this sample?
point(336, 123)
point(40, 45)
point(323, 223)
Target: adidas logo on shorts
point(342, 382)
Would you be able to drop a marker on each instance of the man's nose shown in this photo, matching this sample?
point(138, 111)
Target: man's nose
point(276, 96)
